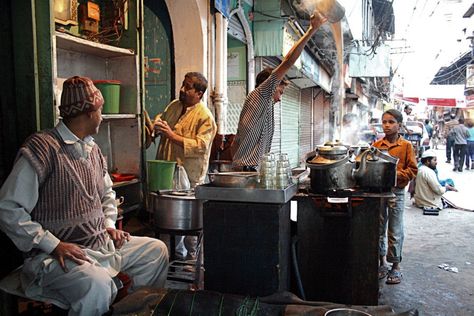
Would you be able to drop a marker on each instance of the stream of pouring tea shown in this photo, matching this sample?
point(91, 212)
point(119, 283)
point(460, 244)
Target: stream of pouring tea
point(338, 101)
point(325, 7)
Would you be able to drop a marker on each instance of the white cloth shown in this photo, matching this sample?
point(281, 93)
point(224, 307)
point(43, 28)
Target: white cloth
point(87, 289)
point(407, 117)
point(428, 191)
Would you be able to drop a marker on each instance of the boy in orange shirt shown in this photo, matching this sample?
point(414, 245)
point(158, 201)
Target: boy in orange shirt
point(391, 220)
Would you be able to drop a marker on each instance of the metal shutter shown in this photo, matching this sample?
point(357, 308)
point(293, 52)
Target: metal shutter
point(305, 122)
point(236, 30)
point(290, 111)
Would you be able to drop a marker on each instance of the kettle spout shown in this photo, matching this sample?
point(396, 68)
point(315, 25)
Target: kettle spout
point(360, 172)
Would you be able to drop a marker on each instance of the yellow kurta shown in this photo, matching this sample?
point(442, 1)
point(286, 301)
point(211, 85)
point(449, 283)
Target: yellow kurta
point(198, 128)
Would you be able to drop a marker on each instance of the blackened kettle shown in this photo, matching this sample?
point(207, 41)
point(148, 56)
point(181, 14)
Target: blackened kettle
point(377, 171)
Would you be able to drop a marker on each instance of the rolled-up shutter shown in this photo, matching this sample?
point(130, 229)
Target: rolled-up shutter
point(290, 118)
point(305, 123)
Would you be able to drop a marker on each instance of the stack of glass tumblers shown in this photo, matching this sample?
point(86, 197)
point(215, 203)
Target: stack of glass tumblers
point(275, 174)
point(267, 171)
point(283, 171)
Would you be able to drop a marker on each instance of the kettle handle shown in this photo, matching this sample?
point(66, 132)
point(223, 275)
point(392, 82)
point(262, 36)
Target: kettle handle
point(385, 156)
point(359, 172)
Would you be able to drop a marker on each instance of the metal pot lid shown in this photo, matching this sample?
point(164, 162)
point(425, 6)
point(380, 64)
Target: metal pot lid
point(323, 160)
point(333, 150)
point(176, 197)
point(181, 192)
point(177, 194)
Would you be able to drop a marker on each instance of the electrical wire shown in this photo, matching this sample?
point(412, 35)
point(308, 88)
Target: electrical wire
point(453, 74)
point(434, 9)
point(282, 17)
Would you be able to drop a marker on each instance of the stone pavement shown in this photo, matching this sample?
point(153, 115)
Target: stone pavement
point(431, 241)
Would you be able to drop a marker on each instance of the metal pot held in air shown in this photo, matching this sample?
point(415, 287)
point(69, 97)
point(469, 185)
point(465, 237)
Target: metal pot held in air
point(177, 210)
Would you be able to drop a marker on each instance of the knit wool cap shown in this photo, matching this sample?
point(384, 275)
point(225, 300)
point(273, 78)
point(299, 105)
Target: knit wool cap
point(79, 96)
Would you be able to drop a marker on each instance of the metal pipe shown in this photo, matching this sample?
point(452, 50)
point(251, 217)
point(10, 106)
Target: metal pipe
point(220, 93)
point(294, 240)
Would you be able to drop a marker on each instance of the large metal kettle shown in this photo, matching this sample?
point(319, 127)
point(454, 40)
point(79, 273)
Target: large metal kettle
point(377, 171)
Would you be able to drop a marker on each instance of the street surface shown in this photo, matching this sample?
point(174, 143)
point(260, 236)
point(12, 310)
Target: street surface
point(431, 241)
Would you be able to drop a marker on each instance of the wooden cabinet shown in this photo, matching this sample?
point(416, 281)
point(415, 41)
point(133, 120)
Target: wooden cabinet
point(120, 135)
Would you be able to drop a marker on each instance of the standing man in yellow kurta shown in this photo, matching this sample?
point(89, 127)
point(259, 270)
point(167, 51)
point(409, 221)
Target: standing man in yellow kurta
point(187, 129)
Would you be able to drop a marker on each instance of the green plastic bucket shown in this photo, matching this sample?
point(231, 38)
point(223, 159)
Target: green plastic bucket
point(160, 174)
point(110, 90)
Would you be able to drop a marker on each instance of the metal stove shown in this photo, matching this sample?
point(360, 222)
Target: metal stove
point(338, 234)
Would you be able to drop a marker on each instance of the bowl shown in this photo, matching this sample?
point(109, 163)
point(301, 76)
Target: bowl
point(234, 179)
point(345, 312)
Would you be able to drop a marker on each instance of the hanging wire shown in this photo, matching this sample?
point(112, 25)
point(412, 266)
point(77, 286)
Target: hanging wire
point(174, 300)
point(111, 30)
point(192, 304)
point(408, 27)
point(221, 305)
point(243, 310)
point(453, 74)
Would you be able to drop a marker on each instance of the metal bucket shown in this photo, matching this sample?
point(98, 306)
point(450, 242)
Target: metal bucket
point(176, 212)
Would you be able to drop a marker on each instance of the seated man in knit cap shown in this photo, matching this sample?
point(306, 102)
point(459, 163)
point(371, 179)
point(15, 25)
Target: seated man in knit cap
point(428, 190)
point(58, 207)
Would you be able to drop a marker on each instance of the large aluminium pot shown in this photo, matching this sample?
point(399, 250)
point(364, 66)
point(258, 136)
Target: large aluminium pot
point(330, 169)
point(377, 171)
point(176, 211)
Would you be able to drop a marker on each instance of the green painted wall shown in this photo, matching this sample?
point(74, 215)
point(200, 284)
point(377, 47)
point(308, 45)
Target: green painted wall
point(268, 28)
point(236, 54)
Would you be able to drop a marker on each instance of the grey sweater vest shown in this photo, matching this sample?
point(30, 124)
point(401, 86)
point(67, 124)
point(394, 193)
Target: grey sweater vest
point(71, 188)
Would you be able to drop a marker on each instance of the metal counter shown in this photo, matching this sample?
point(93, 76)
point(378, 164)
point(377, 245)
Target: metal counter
point(247, 239)
point(253, 195)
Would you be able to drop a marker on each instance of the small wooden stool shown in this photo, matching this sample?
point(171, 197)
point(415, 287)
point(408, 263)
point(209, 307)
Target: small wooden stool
point(14, 302)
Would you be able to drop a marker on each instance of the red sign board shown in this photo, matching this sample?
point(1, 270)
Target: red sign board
point(441, 102)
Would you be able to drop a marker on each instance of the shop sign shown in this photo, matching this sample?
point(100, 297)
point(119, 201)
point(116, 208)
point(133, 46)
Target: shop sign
point(223, 6)
point(288, 42)
point(470, 76)
point(365, 63)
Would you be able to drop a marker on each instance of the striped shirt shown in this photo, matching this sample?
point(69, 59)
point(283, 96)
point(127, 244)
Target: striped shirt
point(256, 124)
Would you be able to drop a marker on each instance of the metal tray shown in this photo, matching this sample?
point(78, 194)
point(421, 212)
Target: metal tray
point(256, 195)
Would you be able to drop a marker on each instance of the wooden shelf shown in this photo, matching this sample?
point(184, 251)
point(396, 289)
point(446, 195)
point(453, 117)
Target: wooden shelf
point(77, 44)
point(118, 116)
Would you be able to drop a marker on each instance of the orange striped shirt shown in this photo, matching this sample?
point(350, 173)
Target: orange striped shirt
point(403, 150)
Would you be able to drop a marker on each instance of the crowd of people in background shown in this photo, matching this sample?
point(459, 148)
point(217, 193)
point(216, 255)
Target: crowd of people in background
point(460, 145)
